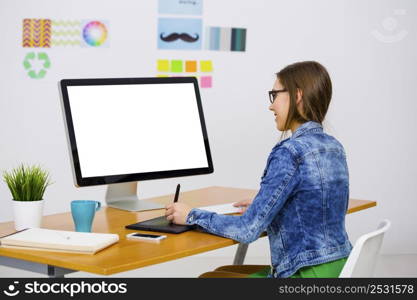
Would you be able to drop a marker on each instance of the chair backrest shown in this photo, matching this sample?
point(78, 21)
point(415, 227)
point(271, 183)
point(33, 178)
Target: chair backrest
point(362, 259)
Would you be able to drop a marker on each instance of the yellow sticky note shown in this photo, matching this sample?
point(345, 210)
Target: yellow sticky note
point(163, 65)
point(206, 66)
point(162, 75)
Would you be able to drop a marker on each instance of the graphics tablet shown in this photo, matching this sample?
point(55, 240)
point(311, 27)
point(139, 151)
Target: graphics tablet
point(160, 224)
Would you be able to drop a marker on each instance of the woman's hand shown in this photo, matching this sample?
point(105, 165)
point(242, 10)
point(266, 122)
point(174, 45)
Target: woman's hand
point(177, 213)
point(244, 204)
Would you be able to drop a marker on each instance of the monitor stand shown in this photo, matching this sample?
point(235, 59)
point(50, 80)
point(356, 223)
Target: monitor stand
point(124, 196)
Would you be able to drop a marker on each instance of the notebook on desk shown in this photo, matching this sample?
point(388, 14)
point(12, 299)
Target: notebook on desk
point(59, 240)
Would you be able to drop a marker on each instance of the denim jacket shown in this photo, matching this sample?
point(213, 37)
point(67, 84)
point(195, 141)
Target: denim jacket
point(301, 204)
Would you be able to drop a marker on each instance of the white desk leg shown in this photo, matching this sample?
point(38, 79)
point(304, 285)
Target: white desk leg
point(240, 254)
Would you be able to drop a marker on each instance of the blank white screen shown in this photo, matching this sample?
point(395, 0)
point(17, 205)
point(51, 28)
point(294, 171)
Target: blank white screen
point(136, 128)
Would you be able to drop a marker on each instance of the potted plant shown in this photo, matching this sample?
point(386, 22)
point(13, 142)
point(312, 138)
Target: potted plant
point(27, 185)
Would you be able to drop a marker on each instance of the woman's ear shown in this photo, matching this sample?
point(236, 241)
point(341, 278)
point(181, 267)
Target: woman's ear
point(299, 97)
point(299, 102)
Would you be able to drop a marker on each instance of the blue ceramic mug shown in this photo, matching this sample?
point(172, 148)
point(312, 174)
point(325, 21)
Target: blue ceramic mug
point(83, 212)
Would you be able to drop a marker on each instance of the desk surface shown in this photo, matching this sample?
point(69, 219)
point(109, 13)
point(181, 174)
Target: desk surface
point(128, 255)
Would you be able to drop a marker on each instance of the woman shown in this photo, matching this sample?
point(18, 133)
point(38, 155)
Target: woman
point(304, 190)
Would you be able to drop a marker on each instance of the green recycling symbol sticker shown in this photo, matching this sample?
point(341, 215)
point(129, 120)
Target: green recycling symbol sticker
point(31, 59)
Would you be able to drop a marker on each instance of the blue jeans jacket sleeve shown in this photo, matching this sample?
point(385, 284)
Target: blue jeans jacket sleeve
point(276, 186)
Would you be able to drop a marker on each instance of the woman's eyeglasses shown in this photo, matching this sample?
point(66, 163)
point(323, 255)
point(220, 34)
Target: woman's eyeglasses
point(273, 94)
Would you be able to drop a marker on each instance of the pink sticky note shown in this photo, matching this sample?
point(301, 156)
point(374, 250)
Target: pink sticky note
point(205, 81)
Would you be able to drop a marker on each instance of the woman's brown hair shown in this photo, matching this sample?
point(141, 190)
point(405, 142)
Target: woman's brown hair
point(314, 82)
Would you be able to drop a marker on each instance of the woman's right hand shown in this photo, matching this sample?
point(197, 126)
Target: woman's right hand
point(244, 204)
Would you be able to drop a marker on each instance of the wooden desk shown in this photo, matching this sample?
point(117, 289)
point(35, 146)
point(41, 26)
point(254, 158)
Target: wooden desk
point(128, 255)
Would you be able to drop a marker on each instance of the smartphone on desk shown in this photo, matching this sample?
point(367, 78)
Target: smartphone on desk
point(145, 237)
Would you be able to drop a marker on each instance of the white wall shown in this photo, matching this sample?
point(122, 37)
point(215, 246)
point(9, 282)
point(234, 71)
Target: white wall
point(372, 111)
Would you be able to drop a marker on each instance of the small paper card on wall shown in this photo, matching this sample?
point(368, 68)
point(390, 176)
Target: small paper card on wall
point(36, 33)
point(67, 33)
point(184, 7)
point(95, 33)
point(225, 39)
point(182, 34)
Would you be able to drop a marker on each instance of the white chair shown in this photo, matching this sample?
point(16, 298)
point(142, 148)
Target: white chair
point(362, 259)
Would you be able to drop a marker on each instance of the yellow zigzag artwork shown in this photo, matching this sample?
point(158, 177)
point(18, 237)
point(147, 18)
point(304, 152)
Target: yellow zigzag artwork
point(57, 42)
point(36, 33)
point(66, 33)
point(66, 23)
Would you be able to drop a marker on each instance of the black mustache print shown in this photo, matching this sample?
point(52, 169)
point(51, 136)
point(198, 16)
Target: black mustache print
point(179, 36)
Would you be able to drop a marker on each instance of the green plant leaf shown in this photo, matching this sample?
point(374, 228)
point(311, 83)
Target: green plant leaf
point(27, 183)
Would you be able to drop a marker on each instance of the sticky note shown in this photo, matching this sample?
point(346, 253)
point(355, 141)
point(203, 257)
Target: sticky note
point(206, 66)
point(190, 66)
point(162, 75)
point(205, 81)
point(176, 66)
point(163, 65)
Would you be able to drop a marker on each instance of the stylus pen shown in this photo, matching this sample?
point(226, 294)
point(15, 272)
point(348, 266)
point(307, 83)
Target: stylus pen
point(177, 193)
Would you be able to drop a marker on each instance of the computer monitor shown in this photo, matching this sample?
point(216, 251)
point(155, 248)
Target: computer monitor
point(123, 130)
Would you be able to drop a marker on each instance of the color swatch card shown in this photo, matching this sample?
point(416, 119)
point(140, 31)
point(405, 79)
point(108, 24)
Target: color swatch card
point(225, 39)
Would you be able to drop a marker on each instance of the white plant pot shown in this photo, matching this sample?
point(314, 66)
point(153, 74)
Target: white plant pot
point(27, 214)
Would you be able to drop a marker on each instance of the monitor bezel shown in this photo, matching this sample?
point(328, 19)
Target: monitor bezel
point(120, 178)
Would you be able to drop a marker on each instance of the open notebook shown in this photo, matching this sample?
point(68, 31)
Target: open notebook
point(58, 240)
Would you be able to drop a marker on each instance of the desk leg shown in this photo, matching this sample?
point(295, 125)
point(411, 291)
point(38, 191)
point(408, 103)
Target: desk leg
point(240, 254)
point(57, 272)
point(51, 271)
